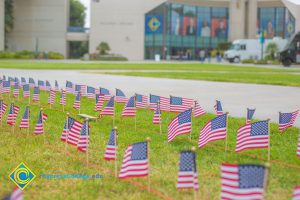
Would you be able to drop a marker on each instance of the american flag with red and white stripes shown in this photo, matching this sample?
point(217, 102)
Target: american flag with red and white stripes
point(12, 115)
point(16, 90)
point(106, 94)
point(76, 104)
point(218, 108)
point(198, 110)
point(16, 194)
point(135, 162)
point(141, 101)
point(26, 91)
point(56, 86)
point(157, 115)
point(214, 130)
point(36, 94)
point(39, 126)
point(84, 137)
point(187, 174)
point(99, 102)
point(90, 92)
point(23, 81)
point(31, 82)
point(182, 124)
point(51, 97)
point(3, 108)
point(41, 85)
point(129, 109)
point(180, 104)
point(287, 120)
point(74, 133)
point(25, 120)
point(83, 90)
point(68, 124)
point(296, 193)
point(246, 181)
point(47, 86)
point(111, 148)
point(253, 136)
point(120, 96)
point(5, 87)
point(164, 103)
point(63, 97)
point(298, 148)
point(250, 113)
point(70, 88)
point(109, 109)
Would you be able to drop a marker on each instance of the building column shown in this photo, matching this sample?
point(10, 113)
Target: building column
point(2, 38)
point(294, 8)
point(236, 19)
point(252, 19)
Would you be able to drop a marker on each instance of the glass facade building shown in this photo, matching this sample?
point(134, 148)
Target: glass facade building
point(177, 31)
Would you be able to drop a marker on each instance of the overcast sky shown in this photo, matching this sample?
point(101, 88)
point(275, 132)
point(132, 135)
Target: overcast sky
point(87, 5)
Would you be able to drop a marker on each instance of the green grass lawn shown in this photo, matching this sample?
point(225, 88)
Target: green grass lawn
point(55, 158)
point(209, 72)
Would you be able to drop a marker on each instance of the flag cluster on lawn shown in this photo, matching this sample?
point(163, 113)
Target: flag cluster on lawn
point(130, 109)
point(76, 104)
point(74, 133)
point(51, 97)
point(111, 148)
point(99, 102)
point(26, 90)
point(179, 104)
point(84, 138)
point(39, 127)
point(109, 109)
point(68, 125)
point(141, 101)
point(287, 120)
point(182, 124)
point(164, 102)
point(187, 174)
point(244, 181)
point(12, 115)
point(135, 162)
point(106, 94)
point(90, 92)
point(36, 94)
point(198, 110)
point(218, 108)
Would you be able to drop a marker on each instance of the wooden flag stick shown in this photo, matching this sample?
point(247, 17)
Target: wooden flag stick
point(114, 115)
point(226, 140)
point(266, 181)
point(160, 118)
point(194, 191)
point(269, 148)
point(116, 166)
point(191, 124)
point(28, 121)
point(148, 156)
point(67, 130)
point(43, 126)
point(87, 148)
point(135, 112)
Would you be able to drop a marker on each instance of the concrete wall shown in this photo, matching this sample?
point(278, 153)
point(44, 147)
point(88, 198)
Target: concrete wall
point(237, 19)
point(1, 25)
point(39, 25)
point(121, 24)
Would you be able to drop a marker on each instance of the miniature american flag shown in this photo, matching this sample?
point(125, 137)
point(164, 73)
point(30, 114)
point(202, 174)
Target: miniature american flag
point(99, 102)
point(39, 126)
point(106, 94)
point(68, 124)
point(298, 148)
point(198, 110)
point(187, 174)
point(218, 108)
point(6, 87)
point(70, 87)
point(63, 97)
point(164, 103)
point(83, 90)
point(287, 120)
point(51, 97)
point(41, 85)
point(120, 96)
point(25, 120)
point(182, 124)
point(242, 181)
point(16, 194)
point(84, 137)
point(109, 109)
point(12, 115)
point(26, 91)
point(31, 82)
point(296, 193)
point(214, 130)
point(135, 162)
point(130, 109)
point(36, 94)
point(90, 92)
point(253, 136)
point(16, 90)
point(47, 86)
point(250, 113)
point(56, 86)
point(141, 101)
point(74, 133)
point(76, 104)
point(157, 115)
point(111, 148)
point(23, 81)
point(179, 104)
point(3, 108)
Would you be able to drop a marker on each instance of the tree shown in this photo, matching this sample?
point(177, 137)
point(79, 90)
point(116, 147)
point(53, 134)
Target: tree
point(9, 18)
point(103, 48)
point(77, 13)
point(272, 48)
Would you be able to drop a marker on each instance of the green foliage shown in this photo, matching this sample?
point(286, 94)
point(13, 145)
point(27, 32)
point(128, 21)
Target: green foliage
point(261, 62)
point(7, 55)
point(103, 48)
point(55, 56)
point(29, 55)
point(214, 53)
point(224, 45)
point(271, 49)
point(9, 18)
point(248, 61)
point(78, 49)
point(77, 13)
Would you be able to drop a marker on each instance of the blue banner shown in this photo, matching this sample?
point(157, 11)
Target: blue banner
point(154, 24)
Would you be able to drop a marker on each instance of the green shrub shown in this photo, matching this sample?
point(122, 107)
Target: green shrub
point(224, 45)
point(111, 58)
point(248, 61)
point(261, 62)
point(55, 56)
point(7, 55)
point(25, 55)
point(214, 53)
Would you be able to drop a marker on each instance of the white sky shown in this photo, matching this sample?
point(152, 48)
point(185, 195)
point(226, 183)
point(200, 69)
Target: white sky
point(87, 5)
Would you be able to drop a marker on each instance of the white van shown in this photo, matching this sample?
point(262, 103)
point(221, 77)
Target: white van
point(250, 49)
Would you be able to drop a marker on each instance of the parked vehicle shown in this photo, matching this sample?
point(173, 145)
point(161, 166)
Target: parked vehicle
point(250, 49)
point(291, 53)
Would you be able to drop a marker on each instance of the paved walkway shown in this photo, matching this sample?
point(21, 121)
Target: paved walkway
point(235, 97)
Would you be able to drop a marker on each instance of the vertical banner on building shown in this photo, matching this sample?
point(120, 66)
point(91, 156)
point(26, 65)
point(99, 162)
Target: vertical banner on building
point(154, 24)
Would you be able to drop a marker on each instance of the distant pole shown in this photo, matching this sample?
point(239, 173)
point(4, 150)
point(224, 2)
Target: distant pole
point(194, 191)
point(67, 131)
point(28, 121)
point(44, 133)
point(87, 143)
point(226, 141)
point(191, 124)
point(116, 166)
point(148, 156)
point(269, 148)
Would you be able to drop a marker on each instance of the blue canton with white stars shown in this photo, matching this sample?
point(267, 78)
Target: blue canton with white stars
point(119, 93)
point(90, 90)
point(85, 129)
point(259, 128)
point(176, 101)
point(130, 103)
point(219, 106)
point(154, 98)
point(185, 117)
point(110, 103)
point(139, 151)
point(219, 122)
point(187, 161)
point(36, 90)
point(285, 118)
point(139, 98)
point(251, 176)
point(104, 91)
point(111, 140)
